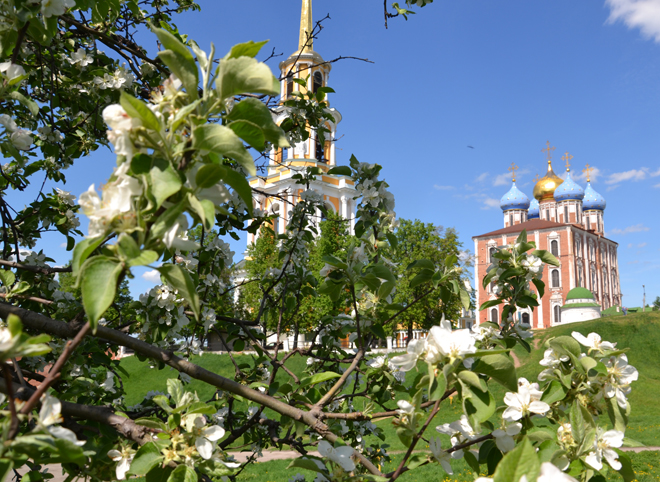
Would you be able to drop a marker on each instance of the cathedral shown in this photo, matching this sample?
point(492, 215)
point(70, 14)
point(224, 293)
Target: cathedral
point(568, 221)
point(278, 189)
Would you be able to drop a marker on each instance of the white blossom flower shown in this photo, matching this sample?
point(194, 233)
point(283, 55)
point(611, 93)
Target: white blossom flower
point(11, 71)
point(550, 473)
point(125, 457)
point(534, 390)
point(620, 375)
point(50, 415)
point(81, 57)
point(445, 342)
point(521, 404)
point(406, 411)
point(8, 123)
point(177, 236)
point(440, 455)
point(593, 341)
point(109, 384)
point(121, 124)
point(50, 8)
point(408, 361)
point(603, 445)
point(340, 455)
point(504, 436)
point(205, 436)
point(327, 269)
point(522, 331)
point(552, 359)
point(22, 139)
point(534, 265)
point(65, 197)
point(377, 362)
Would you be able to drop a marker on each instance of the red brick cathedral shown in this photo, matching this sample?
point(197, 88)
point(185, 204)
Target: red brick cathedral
point(566, 220)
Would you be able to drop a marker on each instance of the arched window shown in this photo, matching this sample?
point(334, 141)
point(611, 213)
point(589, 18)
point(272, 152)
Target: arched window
point(588, 223)
point(510, 219)
point(289, 86)
point(566, 214)
point(275, 209)
point(491, 251)
point(320, 151)
point(493, 316)
point(554, 247)
point(557, 311)
point(547, 214)
point(525, 318)
point(318, 81)
point(555, 278)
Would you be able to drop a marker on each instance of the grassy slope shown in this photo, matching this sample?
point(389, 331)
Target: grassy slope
point(640, 332)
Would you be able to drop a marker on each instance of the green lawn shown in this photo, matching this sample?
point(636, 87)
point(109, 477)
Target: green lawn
point(640, 332)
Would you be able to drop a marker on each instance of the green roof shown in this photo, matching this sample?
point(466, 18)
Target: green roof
point(579, 293)
point(578, 305)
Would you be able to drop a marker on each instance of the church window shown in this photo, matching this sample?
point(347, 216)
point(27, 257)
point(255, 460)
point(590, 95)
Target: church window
point(320, 151)
point(598, 223)
point(289, 86)
point(554, 247)
point(318, 81)
point(579, 274)
point(557, 313)
point(493, 316)
point(491, 252)
point(588, 223)
point(566, 214)
point(547, 214)
point(555, 278)
point(525, 318)
point(510, 219)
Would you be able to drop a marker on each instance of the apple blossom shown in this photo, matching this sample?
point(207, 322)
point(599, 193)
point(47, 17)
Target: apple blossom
point(125, 457)
point(22, 139)
point(593, 341)
point(55, 8)
point(603, 445)
point(504, 436)
point(11, 71)
point(521, 404)
point(440, 455)
point(339, 455)
point(205, 436)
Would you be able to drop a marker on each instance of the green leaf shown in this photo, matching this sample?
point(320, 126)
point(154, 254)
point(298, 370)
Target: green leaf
point(209, 175)
point(540, 286)
point(253, 112)
point(554, 392)
point(127, 246)
point(144, 258)
point(424, 276)
point(99, 276)
point(179, 60)
point(438, 387)
point(318, 378)
point(520, 461)
point(175, 389)
point(183, 283)
point(626, 470)
point(146, 458)
point(238, 183)
point(222, 140)
point(546, 257)
point(137, 109)
point(618, 416)
point(245, 75)
point(82, 251)
point(164, 181)
point(500, 368)
point(204, 209)
point(472, 462)
point(183, 473)
point(29, 103)
point(7, 277)
point(304, 463)
point(340, 171)
point(247, 49)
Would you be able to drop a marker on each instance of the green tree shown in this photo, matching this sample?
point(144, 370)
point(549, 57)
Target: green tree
point(656, 303)
point(415, 241)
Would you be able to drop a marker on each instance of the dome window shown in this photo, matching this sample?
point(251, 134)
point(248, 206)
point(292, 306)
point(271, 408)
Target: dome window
point(318, 81)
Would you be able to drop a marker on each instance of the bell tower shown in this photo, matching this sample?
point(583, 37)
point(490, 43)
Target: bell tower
point(303, 71)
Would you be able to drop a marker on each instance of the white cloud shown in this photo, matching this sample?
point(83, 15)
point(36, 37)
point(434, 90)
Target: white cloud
point(153, 276)
point(640, 245)
point(657, 186)
point(632, 175)
point(505, 179)
point(641, 14)
point(655, 173)
point(633, 262)
point(490, 202)
point(637, 228)
point(582, 176)
point(63, 245)
point(482, 177)
point(443, 188)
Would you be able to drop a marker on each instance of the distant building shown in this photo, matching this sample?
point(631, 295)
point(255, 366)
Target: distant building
point(580, 306)
point(566, 220)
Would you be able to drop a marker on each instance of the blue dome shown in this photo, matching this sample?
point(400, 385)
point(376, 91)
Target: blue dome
point(569, 190)
point(592, 200)
point(514, 199)
point(533, 212)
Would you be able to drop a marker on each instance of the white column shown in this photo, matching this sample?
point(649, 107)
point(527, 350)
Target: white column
point(477, 280)
point(389, 342)
point(344, 207)
point(351, 212)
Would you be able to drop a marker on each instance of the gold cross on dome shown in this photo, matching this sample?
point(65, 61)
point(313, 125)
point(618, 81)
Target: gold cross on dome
point(548, 150)
point(536, 179)
point(513, 170)
point(567, 157)
point(588, 169)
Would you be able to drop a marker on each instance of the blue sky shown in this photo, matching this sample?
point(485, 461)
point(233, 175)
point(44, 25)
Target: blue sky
point(502, 77)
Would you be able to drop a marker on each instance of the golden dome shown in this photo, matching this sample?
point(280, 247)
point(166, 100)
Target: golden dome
point(545, 187)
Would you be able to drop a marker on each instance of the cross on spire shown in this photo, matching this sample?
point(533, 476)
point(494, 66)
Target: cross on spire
point(513, 170)
point(588, 169)
point(567, 157)
point(536, 179)
point(548, 150)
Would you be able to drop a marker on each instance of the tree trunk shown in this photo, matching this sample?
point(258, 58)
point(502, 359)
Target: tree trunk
point(296, 332)
point(410, 333)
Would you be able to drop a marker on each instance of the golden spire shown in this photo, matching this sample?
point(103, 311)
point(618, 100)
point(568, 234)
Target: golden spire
point(567, 157)
point(305, 42)
point(513, 170)
point(548, 150)
point(588, 170)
